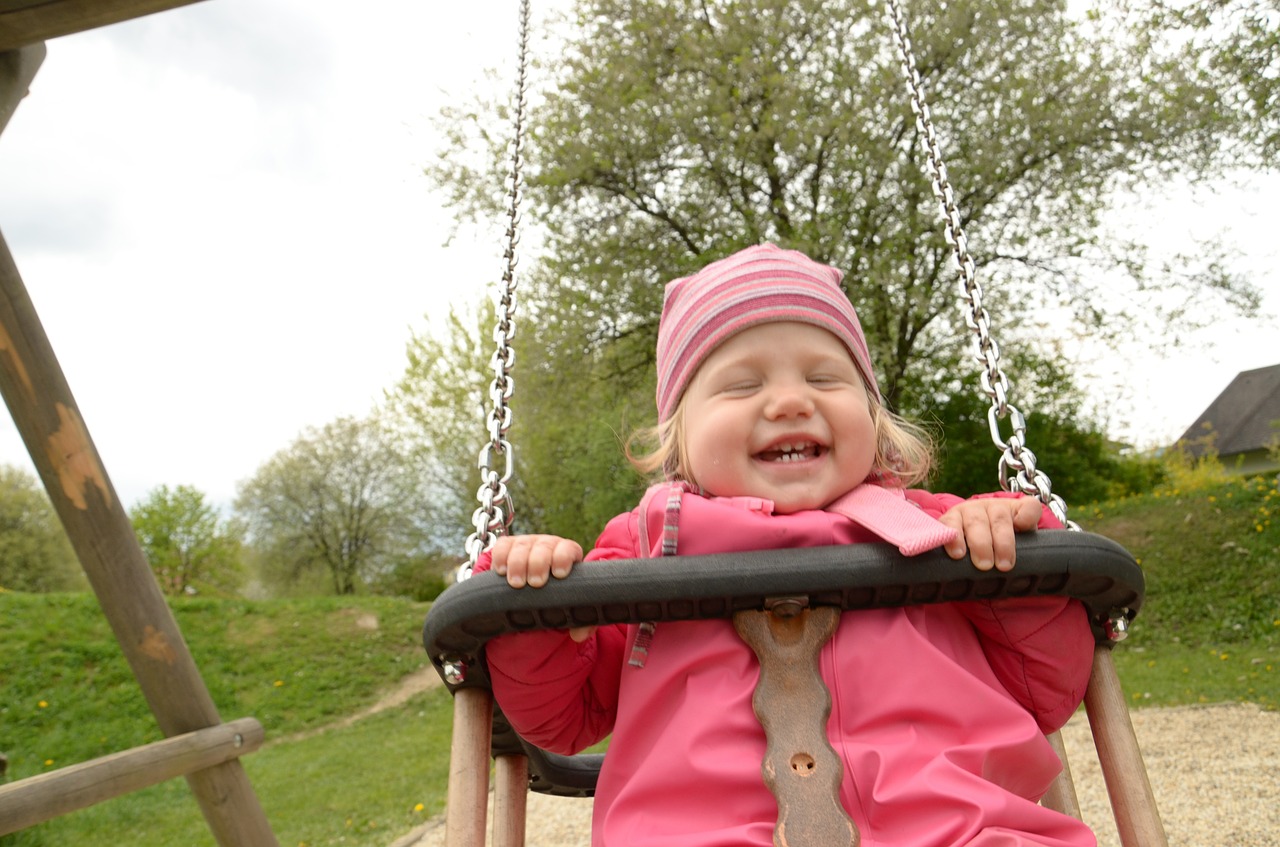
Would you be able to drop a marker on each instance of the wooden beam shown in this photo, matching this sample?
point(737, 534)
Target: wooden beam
point(1132, 801)
point(24, 22)
point(1061, 795)
point(467, 806)
point(40, 798)
point(510, 800)
point(47, 418)
point(17, 69)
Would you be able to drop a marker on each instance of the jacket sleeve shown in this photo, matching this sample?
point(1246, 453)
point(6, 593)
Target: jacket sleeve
point(1040, 648)
point(559, 694)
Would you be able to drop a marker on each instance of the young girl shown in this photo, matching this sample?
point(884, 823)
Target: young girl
point(773, 435)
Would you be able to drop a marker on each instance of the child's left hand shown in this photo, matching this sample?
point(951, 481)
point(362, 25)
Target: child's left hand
point(985, 529)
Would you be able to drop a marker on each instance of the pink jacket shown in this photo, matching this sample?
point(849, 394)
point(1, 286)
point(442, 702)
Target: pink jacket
point(938, 711)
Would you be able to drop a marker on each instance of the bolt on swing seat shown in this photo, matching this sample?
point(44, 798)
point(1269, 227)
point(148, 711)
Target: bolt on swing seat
point(784, 604)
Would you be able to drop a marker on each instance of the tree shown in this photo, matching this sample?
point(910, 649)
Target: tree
point(565, 429)
point(1236, 44)
point(1081, 462)
point(35, 554)
point(671, 133)
point(439, 407)
point(186, 542)
point(342, 500)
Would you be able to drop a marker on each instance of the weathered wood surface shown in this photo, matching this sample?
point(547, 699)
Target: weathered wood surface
point(47, 418)
point(44, 797)
point(467, 807)
point(1132, 801)
point(17, 69)
point(24, 22)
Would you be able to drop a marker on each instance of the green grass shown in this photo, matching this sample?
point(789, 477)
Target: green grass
point(67, 695)
point(1209, 632)
point(366, 784)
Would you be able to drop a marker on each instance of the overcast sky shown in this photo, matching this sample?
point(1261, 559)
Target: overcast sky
point(220, 215)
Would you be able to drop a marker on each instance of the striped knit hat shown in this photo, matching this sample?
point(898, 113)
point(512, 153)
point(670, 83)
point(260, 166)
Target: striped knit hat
point(761, 284)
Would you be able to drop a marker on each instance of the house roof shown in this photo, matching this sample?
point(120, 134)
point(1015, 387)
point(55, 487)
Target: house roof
point(1242, 415)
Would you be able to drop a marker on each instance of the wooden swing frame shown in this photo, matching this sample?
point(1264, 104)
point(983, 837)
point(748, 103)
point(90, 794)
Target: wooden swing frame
point(198, 744)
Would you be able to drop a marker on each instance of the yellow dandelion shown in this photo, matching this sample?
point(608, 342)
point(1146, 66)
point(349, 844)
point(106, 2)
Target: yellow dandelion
point(278, 683)
point(419, 807)
point(48, 762)
point(44, 704)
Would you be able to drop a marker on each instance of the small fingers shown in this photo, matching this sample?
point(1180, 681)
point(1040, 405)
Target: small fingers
point(986, 529)
point(955, 548)
point(1027, 514)
point(533, 559)
point(1003, 549)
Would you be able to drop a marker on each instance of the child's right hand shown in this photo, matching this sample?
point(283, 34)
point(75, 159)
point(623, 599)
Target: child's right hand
point(532, 559)
point(529, 559)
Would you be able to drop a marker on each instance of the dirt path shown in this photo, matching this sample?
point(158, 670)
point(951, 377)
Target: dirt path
point(1214, 770)
point(421, 680)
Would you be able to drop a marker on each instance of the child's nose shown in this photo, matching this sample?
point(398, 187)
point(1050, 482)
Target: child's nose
point(789, 400)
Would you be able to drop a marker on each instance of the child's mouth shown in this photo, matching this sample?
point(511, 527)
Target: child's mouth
point(791, 452)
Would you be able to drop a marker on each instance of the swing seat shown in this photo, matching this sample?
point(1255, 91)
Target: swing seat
point(1091, 568)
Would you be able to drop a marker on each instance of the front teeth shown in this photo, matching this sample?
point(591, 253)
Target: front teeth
point(792, 452)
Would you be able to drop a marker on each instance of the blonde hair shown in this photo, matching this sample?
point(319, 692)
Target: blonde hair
point(904, 450)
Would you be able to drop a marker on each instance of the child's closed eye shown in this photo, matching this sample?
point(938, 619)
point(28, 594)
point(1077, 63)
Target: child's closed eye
point(740, 385)
point(828, 380)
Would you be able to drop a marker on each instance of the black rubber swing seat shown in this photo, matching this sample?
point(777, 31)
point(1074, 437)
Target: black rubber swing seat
point(1091, 568)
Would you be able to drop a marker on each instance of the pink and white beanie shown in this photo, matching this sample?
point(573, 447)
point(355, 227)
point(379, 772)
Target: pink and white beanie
point(761, 284)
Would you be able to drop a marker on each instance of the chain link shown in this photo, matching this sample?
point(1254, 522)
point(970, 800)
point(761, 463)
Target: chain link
point(1017, 467)
point(497, 511)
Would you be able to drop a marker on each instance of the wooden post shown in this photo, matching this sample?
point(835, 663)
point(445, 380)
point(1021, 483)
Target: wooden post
point(17, 69)
point(1062, 793)
point(468, 802)
point(510, 800)
point(46, 796)
point(49, 422)
point(1132, 801)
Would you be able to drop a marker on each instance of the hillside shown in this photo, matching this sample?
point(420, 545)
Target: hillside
point(1210, 628)
point(301, 667)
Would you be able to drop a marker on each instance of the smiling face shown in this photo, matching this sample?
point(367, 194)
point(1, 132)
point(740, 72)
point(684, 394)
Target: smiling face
point(779, 411)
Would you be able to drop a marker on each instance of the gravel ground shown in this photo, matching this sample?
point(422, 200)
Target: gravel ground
point(1215, 772)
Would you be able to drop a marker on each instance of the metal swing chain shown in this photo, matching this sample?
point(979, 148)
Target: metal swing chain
point(1015, 455)
point(497, 511)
